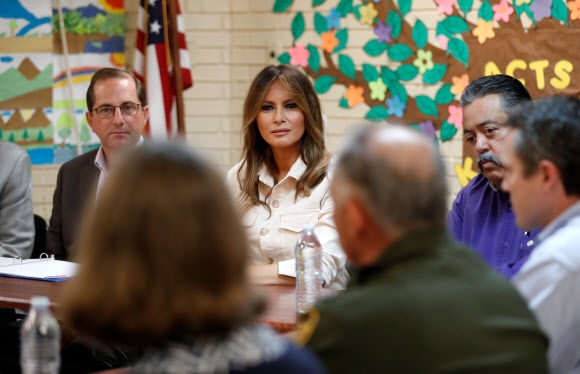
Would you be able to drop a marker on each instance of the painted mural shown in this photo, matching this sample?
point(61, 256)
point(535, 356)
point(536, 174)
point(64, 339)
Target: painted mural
point(95, 35)
point(39, 110)
point(26, 76)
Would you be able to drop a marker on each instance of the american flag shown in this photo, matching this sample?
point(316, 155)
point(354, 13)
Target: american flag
point(153, 65)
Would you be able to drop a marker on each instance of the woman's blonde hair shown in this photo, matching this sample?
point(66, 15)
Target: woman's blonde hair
point(162, 254)
point(256, 152)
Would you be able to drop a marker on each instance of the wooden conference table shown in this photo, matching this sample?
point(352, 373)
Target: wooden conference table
point(280, 313)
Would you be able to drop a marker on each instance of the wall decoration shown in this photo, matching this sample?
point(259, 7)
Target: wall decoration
point(532, 40)
point(39, 110)
point(26, 76)
point(95, 36)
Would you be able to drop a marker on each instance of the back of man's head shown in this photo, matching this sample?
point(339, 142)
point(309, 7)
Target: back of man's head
point(510, 89)
point(397, 174)
point(549, 129)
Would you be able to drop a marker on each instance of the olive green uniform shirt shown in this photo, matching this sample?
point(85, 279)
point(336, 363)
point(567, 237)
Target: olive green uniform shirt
point(429, 305)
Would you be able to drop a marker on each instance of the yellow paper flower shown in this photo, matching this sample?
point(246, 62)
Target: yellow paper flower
point(484, 30)
point(378, 89)
point(424, 61)
point(522, 2)
point(459, 84)
point(354, 95)
point(368, 13)
point(329, 41)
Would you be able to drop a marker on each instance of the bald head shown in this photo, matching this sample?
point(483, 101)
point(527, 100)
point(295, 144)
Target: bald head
point(397, 173)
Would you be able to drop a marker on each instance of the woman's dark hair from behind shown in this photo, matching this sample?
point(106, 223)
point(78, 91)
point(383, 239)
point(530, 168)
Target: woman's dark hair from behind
point(162, 254)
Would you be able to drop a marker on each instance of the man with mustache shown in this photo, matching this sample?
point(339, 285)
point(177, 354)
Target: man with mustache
point(117, 113)
point(481, 215)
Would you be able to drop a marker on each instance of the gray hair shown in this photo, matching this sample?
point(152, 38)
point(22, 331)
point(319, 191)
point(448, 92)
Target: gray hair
point(402, 195)
point(511, 91)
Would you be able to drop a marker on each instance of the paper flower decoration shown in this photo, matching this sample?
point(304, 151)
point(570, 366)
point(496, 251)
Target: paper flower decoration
point(299, 55)
point(522, 2)
point(445, 6)
point(484, 30)
point(455, 116)
point(424, 61)
point(459, 84)
point(333, 19)
point(378, 90)
point(502, 11)
point(395, 107)
point(574, 7)
point(427, 128)
point(541, 9)
point(383, 32)
point(329, 41)
point(442, 41)
point(354, 95)
point(368, 14)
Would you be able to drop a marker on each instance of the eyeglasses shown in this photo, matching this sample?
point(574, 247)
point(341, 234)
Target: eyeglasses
point(108, 111)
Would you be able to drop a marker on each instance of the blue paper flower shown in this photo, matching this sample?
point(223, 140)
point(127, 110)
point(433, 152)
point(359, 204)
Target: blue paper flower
point(333, 19)
point(395, 106)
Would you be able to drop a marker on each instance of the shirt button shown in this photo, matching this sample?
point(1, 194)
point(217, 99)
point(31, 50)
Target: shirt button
point(506, 244)
point(275, 204)
point(270, 260)
point(263, 232)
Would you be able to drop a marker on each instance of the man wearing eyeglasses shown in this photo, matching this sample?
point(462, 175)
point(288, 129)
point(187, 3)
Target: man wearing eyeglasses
point(117, 113)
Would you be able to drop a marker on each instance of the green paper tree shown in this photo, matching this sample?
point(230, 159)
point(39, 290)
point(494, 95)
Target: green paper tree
point(64, 127)
point(85, 134)
point(408, 57)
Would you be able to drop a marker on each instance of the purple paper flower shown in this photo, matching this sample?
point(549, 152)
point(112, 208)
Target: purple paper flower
point(427, 128)
point(395, 107)
point(541, 9)
point(333, 19)
point(383, 32)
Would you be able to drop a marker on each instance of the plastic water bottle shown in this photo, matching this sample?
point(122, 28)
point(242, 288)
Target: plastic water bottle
point(308, 271)
point(40, 339)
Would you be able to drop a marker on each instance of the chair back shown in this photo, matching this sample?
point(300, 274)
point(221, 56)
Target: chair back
point(40, 228)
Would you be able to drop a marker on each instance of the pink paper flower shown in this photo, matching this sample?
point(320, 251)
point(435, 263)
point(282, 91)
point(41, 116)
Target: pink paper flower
point(445, 6)
point(442, 41)
point(299, 55)
point(455, 116)
point(502, 11)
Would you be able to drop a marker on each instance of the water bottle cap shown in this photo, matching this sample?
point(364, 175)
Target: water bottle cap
point(308, 227)
point(39, 302)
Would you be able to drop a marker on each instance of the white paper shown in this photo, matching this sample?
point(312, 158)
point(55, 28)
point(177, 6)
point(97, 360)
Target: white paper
point(41, 269)
point(287, 268)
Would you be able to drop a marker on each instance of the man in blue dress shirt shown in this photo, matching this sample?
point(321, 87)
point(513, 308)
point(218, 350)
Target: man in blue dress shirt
point(542, 160)
point(481, 215)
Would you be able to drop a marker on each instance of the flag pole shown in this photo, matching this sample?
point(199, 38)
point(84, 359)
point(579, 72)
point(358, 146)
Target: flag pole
point(177, 77)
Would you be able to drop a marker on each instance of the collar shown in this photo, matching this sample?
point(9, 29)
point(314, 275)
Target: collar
point(296, 171)
point(415, 244)
point(559, 222)
point(101, 161)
